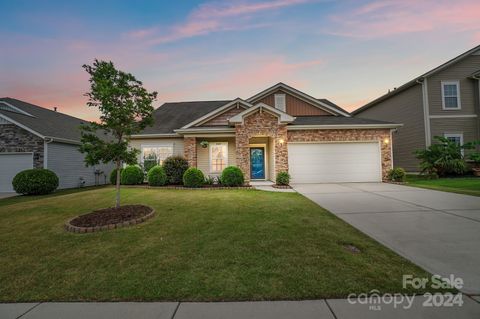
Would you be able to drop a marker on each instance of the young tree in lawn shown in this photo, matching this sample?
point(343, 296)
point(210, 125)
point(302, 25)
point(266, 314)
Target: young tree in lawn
point(125, 107)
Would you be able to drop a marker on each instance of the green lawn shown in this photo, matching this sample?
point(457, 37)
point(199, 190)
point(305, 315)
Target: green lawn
point(201, 245)
point(461, 185)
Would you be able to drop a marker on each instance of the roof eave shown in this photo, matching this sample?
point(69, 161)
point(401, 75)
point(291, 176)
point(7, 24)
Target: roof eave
point(343, 126)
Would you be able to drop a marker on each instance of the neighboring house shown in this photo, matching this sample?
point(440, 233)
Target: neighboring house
point(34, 137)
point(442, 102)
point(278, 129)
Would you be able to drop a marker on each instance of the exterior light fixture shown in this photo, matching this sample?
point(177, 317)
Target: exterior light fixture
point(386, 141)
point(281, 141)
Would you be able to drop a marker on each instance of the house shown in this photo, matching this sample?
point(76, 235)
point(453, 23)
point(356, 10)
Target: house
point(277, 129)
point(34, 137)
point(441, 102)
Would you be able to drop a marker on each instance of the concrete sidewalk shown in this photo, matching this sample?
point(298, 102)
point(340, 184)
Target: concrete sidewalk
point(328, 309)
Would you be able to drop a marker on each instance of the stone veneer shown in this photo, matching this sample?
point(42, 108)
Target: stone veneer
point(16, 139)
point(190, 150)
point(349, 135)
point(261, 124)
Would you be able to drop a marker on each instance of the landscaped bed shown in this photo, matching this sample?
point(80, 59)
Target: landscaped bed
point(222, 245)
point(469, 185)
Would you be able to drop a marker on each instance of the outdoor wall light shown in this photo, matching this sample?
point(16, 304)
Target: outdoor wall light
point(281, 141)
point(386, 141)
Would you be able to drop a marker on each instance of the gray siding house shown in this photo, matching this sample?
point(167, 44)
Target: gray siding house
point(35, 137)
point(442, 102)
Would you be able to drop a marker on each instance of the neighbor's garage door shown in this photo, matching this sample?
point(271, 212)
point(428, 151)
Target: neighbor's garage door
point(10, 165)
point(334, 162)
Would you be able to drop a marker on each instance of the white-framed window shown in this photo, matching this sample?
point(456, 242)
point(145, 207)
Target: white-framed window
point(455, 137)
point(156, 152)
point(451, 95)
point(218, 156)
point(280, 102)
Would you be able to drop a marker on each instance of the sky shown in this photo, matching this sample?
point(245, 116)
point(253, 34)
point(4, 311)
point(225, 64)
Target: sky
point(349, 52)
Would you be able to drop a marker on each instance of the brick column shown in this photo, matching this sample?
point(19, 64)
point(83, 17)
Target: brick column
point(190, 150)
point(281, 150)
point(242, 150)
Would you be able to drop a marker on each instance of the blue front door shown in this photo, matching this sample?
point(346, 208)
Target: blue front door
point(257, 163)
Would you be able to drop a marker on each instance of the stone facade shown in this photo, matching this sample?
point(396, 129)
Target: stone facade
point(380, 135)
point(261, 124)
point(190, 150)
point(16, 139)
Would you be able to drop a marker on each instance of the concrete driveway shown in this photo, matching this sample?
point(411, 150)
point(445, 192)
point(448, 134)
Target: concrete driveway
point(438, 231)
point(6, 195)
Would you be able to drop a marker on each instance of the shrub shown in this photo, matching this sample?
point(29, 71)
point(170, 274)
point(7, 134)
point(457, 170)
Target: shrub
point(232, 176)
point(156, 176)
point(397, 174)
point(37, 181)
point(442, 158)
point(113, 176)
point(209, 180)
point(132, 175)
point(193, 177)
point(283, 178)
point(175, 167)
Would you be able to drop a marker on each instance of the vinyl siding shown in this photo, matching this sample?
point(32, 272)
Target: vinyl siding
point(203, 154)
point(222, 119)
point(294, 106)
point(176, 142)
point(459, 71)
point(405, 108)
point(467, 126)
point(68, 163)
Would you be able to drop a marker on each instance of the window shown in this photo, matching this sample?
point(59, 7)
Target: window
point(280, 102)
point(218, 156)
point(456, 137)
point(156, 153)
point(451, 95)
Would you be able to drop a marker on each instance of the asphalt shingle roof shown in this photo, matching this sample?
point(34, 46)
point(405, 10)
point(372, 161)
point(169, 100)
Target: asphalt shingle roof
point(172, 116)
point(334, 120)
point(44, 121)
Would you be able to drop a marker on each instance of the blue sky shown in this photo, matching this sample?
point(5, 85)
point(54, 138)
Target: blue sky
point(347, 51)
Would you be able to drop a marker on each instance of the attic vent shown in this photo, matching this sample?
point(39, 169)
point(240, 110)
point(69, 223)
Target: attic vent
point(280, 102)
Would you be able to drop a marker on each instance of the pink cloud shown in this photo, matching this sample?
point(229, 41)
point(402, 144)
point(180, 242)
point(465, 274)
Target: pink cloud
point(389, 18)
point(214, 17)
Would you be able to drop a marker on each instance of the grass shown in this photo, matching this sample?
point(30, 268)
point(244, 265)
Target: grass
point(201, 245)
point(461, 185)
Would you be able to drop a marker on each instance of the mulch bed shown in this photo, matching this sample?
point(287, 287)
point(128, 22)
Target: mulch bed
point(110, 218)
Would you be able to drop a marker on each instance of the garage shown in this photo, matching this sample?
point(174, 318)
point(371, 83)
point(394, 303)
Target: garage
point(10, 165)
point(334, 162)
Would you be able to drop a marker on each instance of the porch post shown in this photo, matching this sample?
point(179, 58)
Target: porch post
point(242, 150)
point(190, 150)
point(281, 150)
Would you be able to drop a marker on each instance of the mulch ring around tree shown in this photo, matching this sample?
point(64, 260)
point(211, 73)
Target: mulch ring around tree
point(109, 218)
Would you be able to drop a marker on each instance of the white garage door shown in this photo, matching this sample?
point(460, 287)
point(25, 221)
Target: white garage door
point(10, 165)
point(334, 162)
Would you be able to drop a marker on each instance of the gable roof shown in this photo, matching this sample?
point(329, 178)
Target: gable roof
point(282, 116)
point(419, 79)
point(174, 115)
point(323, 104)
point(41, 121)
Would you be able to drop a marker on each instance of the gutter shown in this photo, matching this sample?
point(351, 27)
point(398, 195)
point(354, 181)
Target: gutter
point(209, 130)
point(61, 140)
point(154, 135)
point(342, 126)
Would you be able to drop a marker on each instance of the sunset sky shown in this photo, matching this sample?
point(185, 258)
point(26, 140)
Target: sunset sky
point(347, 51)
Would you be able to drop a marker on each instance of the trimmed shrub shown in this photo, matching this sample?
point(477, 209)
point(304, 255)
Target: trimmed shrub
point(193, 177)
point(175, 167)
point(283, 178)
point(232, 176)
point(37, 181)
point(131, 175)
point(156, 176)
point(209, 180)
point(397, 174)
point(113, 176)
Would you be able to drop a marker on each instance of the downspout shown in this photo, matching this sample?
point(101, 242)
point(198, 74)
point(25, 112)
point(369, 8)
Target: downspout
point(426, 111)
point(46, 141)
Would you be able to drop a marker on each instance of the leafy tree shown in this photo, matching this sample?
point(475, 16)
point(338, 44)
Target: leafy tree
point(125, 107)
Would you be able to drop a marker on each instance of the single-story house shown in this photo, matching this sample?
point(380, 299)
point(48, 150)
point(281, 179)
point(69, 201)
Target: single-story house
point(277, 129)
point(35, 137)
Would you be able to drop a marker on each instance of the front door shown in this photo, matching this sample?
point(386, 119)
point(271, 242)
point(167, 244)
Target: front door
point(257, 163)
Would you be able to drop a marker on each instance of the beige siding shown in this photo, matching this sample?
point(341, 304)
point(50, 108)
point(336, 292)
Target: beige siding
point(222, 119)
point(203, 154)
point(176, 142)
point(466, 126)
point(459, 71)
point(405, 108)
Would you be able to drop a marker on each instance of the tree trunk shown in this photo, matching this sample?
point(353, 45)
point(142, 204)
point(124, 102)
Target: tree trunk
point(117, 185)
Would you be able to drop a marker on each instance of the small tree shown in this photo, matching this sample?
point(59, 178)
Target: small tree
point(126, 109)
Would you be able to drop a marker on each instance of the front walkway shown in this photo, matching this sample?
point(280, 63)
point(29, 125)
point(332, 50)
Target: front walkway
point(319, 309)
point(438, 231)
